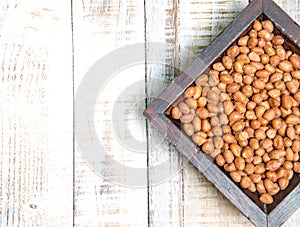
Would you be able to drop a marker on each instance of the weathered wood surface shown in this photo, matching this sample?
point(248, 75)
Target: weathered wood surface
point(165, 206)
point(36, 183)
point(99, 28)
point(36, 113)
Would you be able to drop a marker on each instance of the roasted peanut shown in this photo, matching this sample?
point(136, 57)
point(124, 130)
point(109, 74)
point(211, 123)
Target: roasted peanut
point(186, 118)
point(296, 167)
point(257, 25)
point(260, 168)
point(176, 113)
point(201, 80)
point(276, 154)
point(226, 79)
point(184, 108)
point(227, 62)
point(269, 50)
point(264, 34)
point(243, 41)
point(293, 86)
point(266, 198)
point(273, 165)
point(201, 102)
point(233, 51)
point(217, 131)
point(285, 66)
point(229, 138)
point(269, 115)
point(192, 103)
point(255, 177)
point(272, 176)
point(229, 167)
point(278, 40)
point(189, 92)
point(292, 120)
point(249, 168)
point(220, 160)
point(205, 125)
point(283, 183)
point(198, 139)
point(236, 176)
point(269, 185)
point(196, 124)
point(239, 163)
point(198, 91)
point(232, 88)
point(268, 26)
point(253, 41)
point(218, 142)
point(208, 147)
point(271, 133)
point(245, 182)
point(254, 57)
point(188, 129)
point(262, 74)
point(235, 149)
point(238, 66)
point(218, 67)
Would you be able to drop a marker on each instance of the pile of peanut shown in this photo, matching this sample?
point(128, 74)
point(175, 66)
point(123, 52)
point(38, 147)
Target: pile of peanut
point(246, 114)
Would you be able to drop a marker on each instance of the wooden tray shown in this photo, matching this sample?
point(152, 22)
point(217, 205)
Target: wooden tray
point(285, 202)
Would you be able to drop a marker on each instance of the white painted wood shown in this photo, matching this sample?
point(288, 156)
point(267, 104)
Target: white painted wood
point(101, 27)
point(36, 113)
point(165, 197)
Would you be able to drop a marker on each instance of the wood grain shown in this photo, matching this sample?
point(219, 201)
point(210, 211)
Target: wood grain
point(36, 113)
point(102, 26)
point(165, 197)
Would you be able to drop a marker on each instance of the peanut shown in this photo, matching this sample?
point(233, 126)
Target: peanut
point(176, 113)
point(283, 183)
point(268, 26)
point(186, 118)
point(220, 160)
point(266, 198)
point(273, 165)
point(236, 176)
point(245, 182)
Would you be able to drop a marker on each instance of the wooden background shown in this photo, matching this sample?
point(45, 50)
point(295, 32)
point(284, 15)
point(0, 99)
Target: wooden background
point(46, 47)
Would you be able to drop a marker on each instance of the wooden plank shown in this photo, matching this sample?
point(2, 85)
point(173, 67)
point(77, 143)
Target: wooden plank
point(100, 27)
point(293, 9)
point(165, 197)
point(36, 113)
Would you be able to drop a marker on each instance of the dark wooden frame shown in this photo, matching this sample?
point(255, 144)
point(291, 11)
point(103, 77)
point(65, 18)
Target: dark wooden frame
point(280, 211)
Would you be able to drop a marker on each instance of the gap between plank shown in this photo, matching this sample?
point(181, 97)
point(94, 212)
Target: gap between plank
point(73, 90)
point(146, 105)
